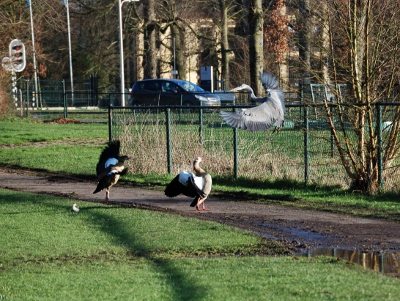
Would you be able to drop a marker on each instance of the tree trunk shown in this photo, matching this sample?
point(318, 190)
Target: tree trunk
point(305, 24)
point(179, 52)
point(150, 57)
point(325, 45)
point(224, 44)
point(256, 21)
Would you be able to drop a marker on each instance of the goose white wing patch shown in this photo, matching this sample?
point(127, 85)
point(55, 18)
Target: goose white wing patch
point(198, 181)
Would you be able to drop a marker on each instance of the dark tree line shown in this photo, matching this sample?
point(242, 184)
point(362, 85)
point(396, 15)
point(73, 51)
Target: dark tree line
point(226, 34)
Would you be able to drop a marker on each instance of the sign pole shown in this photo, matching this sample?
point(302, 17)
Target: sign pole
point(34, 55)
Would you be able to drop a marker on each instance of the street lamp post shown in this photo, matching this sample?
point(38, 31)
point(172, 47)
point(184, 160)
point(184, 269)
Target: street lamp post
point(34, 57)
point(70, 52)
point(121, 52)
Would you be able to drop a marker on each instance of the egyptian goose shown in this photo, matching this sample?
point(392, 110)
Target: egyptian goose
point(197, 184)
point(109, 168)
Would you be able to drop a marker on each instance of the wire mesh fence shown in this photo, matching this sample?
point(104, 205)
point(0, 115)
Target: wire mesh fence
point(165, 140)
point(53, 94)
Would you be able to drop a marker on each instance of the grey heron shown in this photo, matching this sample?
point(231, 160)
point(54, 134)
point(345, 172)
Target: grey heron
point(269, 113)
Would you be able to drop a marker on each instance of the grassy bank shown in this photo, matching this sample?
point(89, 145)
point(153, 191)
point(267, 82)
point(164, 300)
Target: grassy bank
point(107, 252)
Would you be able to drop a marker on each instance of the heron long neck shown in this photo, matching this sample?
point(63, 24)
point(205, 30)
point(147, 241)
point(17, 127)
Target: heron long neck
point(252, 95)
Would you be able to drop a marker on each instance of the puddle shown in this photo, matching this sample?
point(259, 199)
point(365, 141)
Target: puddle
point(306, 235)
point(385, 263)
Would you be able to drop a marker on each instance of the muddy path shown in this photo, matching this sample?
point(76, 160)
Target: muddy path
point(298, 229)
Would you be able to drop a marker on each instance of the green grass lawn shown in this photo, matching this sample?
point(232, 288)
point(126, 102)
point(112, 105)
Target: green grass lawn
point(112, 253)
point(108, 252)
point(66, 157)
point(24, 132)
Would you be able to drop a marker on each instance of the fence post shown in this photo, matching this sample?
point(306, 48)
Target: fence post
point(20, 102)
point(235, 153)
point(306, 146)
point(169, 152)
point(27, 98)
point(332, 137)
point(379, 150)
point(65, 100)
point(301, 101)
point(201, 125)
point(110, 133)
point(180, 110)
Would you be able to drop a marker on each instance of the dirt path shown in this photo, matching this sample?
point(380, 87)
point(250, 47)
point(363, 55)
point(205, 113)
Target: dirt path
point(296, 228)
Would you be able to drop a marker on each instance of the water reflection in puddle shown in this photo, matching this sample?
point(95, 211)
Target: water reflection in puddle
point(385, 263)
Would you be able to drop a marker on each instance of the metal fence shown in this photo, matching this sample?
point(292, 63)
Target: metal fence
point(165, 140)
point(162, 139)
point(53, 94)
point(54, 101)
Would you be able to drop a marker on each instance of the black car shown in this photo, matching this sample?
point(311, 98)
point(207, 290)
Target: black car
point(156, 92)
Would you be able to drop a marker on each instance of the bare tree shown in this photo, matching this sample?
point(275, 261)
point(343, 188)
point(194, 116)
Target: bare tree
point(16, 24)
point(364, 52)
point(276, 35)
point(256, 44)
point(162, 24)
point(150, 58)
point(305, 31)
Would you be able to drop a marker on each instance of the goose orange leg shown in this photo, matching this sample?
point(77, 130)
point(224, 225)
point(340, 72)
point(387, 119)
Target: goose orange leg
point(201, 202)
point(107, 197)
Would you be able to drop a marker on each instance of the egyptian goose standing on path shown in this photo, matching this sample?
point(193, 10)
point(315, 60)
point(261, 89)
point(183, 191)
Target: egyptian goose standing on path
point(197, 184)
point(109, 168)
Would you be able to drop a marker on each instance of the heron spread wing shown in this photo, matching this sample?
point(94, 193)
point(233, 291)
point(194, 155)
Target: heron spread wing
point(259, 118)
point(270, 84)
point(268, 80)
point(270, 113)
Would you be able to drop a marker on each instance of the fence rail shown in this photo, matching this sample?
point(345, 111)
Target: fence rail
point(54, 94)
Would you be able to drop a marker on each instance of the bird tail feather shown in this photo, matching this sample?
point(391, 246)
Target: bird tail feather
point(98, 188)
point(194, 202)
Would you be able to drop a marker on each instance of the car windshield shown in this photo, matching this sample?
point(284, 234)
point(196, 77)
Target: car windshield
point(189, 87)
